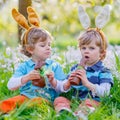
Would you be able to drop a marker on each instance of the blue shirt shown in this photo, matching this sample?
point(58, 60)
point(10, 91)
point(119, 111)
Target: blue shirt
point(96, 74)
point(32, 91)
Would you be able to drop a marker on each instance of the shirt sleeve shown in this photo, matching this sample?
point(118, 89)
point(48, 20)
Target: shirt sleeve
point(102, 89)
point(14, 83)
point(60, 86)
point(106, 77)
point(106, 81)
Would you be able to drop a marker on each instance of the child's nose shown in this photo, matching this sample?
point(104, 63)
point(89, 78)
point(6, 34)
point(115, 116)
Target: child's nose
point(48, 47)
point(86, 50)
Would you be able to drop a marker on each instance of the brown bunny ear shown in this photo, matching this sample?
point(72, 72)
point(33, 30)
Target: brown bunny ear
point(20, 19)
point(33, 17)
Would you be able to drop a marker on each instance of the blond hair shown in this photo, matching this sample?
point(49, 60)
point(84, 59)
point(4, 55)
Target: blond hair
point(34, 35)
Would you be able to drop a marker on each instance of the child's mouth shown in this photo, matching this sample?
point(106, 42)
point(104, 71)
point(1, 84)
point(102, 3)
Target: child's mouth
point(86, 57)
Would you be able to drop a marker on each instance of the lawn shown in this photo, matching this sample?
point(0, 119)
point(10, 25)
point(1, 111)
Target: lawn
point(108, 110)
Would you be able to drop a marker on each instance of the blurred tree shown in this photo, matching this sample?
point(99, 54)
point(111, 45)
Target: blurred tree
point(23, 4)
point(60, 17)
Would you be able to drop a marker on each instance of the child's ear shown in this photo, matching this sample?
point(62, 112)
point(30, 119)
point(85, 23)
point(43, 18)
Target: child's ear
point(29, 49)
point(102, 54)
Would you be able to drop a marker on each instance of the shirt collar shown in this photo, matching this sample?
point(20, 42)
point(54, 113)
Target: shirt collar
point(32, 63)
point(96, 66)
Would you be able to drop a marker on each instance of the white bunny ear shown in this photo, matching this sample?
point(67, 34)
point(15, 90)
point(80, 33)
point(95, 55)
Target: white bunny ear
point(84, 18)
point(103, 17)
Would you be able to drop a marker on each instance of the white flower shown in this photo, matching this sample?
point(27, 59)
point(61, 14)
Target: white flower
point(8, 51)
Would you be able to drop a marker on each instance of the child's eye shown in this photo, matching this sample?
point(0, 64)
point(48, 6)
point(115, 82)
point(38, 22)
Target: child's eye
point(83, 48)
point(92, 48)
point(42, 45)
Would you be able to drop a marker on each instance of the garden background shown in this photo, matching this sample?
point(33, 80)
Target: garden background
point(60, 18)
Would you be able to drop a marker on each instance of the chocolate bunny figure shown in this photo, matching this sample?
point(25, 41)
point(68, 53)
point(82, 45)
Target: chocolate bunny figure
point(76, 80)
point(39, 82)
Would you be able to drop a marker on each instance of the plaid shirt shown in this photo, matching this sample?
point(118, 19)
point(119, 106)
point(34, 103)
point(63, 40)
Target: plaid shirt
point(96, 74)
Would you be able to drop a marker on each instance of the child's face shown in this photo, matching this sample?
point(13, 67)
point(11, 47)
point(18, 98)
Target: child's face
point(91, 53)
point(42, 50)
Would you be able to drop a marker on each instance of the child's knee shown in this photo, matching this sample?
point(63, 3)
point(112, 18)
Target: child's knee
point(61, 103)
point(91, 103)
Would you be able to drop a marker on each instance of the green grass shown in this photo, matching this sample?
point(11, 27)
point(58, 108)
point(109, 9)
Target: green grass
point(114, 41)
point(108, 110)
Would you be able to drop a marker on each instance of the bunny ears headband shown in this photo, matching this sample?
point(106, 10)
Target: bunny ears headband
point(33, 20)
point(100, 20)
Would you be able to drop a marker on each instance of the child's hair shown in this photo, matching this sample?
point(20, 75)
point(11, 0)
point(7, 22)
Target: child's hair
point(34, 35)
point(94, 34)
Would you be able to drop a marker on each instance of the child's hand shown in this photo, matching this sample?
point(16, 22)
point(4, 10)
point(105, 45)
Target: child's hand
point(37, 80)
point(72, 75)
point(73, 79)
point(50, 76)
point(34, 74)
point(81, 74)
point(51, 79)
